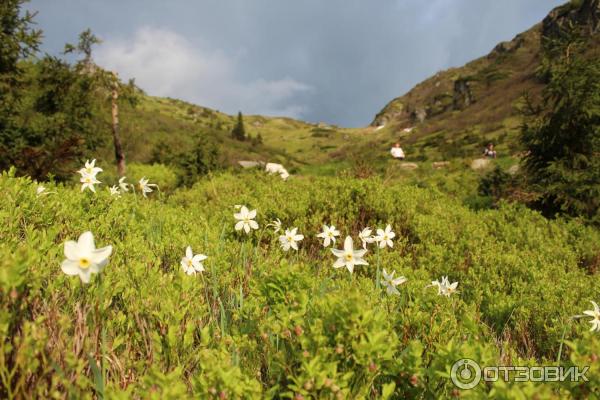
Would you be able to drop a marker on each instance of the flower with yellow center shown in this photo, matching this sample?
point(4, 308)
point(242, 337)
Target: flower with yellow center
point(245, 220)
point(445, 288)
point(390, 282)
point(328, 235)
point(146, 187)
point(348, 257)
point(384, 237)
point(90, 168)
point(83, 258)
point(290, 239)
point(192, 263)
point(88, 182)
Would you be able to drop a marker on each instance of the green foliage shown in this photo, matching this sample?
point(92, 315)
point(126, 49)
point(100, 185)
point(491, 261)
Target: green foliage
point(56, 122)
point(497, 184)
point(260, 323)
point(239, 132)
point(562, 134)
point(200, 161)
point(17, 41)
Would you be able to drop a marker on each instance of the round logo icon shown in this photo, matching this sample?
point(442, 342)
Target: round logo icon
point(465, 374)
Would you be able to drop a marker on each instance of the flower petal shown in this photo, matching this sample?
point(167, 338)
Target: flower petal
point(85, 244)
point(70, 267)
point(71, 250)
point(100, 256)
point(339, 263)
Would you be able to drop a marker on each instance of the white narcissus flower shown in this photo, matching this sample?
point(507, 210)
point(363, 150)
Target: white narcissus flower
point(390, 282)
point(595, 314)
point(365, 237)
point(348, 257)
point(123, 185)
point(384, 237)
point(290, 239)
point(83, 258)
point(245, 220)
point(146, 187)
point(192, 263)
point(114, 191)
point(328, 235)
point(90, 168)
point(275, 224)
point(445, 288)
point(88, 182)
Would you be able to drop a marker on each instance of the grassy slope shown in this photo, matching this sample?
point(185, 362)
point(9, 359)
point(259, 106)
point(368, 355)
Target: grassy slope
point(156, 121)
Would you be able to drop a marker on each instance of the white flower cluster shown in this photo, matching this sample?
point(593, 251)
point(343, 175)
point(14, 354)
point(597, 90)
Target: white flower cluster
point(89, 179)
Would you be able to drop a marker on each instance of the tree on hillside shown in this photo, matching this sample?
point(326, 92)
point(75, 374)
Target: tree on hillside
point(46, 111)
point(562, 133)
point(109, 83)
point(239, 132)
point(17, 41)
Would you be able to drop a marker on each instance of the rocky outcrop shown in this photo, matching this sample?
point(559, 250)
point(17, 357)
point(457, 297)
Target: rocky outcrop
point(440, 164)
point(250, 164)
point(480, 163)
point(508, 47)
point(586, 15)
point(462, 96)
point(409, 165)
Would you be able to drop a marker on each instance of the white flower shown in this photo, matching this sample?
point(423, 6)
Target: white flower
point(348, 257)
point(290, 239)
point(328, 235)
point(123, 185)
point(114, 191)
point(365, 237)
point(595, 314)
point(384, 238)
point(390, 283)
point(192, 263)
point(41, 191)
point(90, 169)
point(88, 182)
point(245, 220)
point(146, 187)
point(445, 288)
point(275, 224)
point(83, 258)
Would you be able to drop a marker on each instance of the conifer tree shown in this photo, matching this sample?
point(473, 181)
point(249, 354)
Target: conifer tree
point(239, 132)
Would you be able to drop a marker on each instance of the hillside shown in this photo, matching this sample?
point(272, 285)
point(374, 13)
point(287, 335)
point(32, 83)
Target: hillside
point(157, 124)
point(456, 111)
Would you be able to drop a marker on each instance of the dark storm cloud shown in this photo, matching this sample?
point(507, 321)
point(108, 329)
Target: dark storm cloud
point(338, 61)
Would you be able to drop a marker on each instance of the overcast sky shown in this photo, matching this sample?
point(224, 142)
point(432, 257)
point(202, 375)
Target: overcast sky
point(338, 61)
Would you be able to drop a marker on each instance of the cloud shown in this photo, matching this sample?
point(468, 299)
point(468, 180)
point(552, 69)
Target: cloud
point(165, 63)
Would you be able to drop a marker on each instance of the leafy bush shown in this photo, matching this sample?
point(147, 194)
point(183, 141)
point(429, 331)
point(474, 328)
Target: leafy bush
point(263, 323)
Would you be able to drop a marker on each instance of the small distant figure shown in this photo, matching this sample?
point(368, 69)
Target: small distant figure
point(489, 151)
point(397, 152)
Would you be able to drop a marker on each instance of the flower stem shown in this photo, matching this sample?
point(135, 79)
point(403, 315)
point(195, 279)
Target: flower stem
point(378, 274)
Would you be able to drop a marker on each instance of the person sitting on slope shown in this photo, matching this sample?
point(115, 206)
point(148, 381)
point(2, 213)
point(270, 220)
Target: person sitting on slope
point(397, 152)
point(489, 151)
